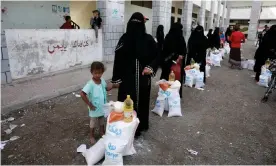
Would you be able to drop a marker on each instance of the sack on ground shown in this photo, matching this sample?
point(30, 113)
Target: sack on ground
point(266, 72)
point(94, 154)
point(114, 148)
point(244, 64)
point(208, 70)
point(159, 106)
point(189, 80)
point(200, 80)
point(216, 58)
point(251, 64)
point(124, 131)
point(263, 81)
point(174, 104)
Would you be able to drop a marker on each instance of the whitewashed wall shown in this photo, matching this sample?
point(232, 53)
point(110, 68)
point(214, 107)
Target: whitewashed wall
point(39, 51)
point(32, 14)
point(130, 9)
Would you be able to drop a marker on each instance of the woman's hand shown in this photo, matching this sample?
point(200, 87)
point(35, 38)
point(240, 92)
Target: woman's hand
point(146, 71)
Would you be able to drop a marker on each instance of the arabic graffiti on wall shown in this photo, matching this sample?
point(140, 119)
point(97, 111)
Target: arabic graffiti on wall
point(54, 48)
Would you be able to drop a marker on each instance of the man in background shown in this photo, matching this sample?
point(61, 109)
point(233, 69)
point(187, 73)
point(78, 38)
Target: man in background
point(96, 22)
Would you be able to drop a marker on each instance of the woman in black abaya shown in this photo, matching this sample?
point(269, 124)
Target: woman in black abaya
point(174, 46)
point(215, 39)
point(266, 50)
point(160, 37)
point(197, 46)
point(209, 36)
point(136, 60)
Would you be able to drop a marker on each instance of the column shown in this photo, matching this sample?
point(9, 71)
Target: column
point(254, 19)
point(218, 14)
point(202, 12)
point(161, 15)
point(112, 13)
point(187, 18)
point(227, 20)
point(223, 13)
point(211, 16)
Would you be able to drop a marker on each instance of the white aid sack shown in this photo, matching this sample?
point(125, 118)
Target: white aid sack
point(244, 64)
point(266, 72)
point(114, 148)
point(200, 80)
point(159, 106)
point(189, 80)
point(208, 70)
point(263, 81)
point(94, 154)
point(174, 103)
point(124, 131)
point(216, 58)
point(251, 64)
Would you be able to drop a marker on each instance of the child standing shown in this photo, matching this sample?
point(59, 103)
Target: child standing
point(94, 94)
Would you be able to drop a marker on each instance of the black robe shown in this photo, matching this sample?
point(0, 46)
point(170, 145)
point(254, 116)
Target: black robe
point(197, 50)
point(127, 71)
point(172, 48)
point(215, 41)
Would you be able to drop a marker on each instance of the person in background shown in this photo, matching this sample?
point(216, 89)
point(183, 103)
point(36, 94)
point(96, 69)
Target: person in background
point(197, 46)
point(95, 96)
point(266, 50)
point(209, 36)
point(96, 22)
point(136, 61)
point(160, 38)
point(67, 24)
point(228, 33)
point(215, 39)
point(174, 48)
point(236, 39)
point(222, 39)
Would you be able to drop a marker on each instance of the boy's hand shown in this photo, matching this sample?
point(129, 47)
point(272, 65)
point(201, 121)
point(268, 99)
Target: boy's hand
point(109, 86)
point(92, 107)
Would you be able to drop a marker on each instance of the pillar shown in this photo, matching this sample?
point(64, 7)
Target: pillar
point(112, 13)
point(254, 19)
point(211, 16)
point(218, 14)
point(161, 15)
point(187, 18)
point(227, 20)
point(202, 13)
point(223, 13)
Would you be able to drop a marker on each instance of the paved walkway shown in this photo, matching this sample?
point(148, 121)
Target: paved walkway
point(30, 92)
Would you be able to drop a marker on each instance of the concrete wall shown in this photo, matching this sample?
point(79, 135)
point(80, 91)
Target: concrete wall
point(33, 52)
point(268, 13)
point(32, 14)
point(81, 12)
point(177, 5)
point(130, 9)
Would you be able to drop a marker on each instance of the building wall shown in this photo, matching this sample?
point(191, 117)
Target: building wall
point(81, 12)
point(37, 51)
point(177, 5)
point(268, 13)
point(130, 9)
point(32, 14)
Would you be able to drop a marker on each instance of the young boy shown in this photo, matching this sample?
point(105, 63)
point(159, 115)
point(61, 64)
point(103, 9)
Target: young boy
point(94, 94)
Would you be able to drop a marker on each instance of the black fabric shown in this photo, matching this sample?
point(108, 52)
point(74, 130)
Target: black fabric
point(197, 46)
point(209, 36)
point(135, 45)
point(97, 21)
point(174, 45)
point(215, 39)
point(235, 56)
point(228, 33)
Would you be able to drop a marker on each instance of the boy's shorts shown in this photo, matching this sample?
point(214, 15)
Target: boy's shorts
point(96, 121)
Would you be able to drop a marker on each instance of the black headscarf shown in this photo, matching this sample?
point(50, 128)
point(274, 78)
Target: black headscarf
point(160, 34)
point(135, 35)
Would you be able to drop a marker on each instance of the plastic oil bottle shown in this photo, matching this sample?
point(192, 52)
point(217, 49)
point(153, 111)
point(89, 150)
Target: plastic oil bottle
point(172, 76)
point(128, 109)
point(192, 62)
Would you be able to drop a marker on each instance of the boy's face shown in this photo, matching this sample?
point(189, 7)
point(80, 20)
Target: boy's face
point(94, 14)
point(97, 74)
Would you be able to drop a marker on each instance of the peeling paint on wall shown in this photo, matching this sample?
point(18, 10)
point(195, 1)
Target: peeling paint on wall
point(39, 51)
